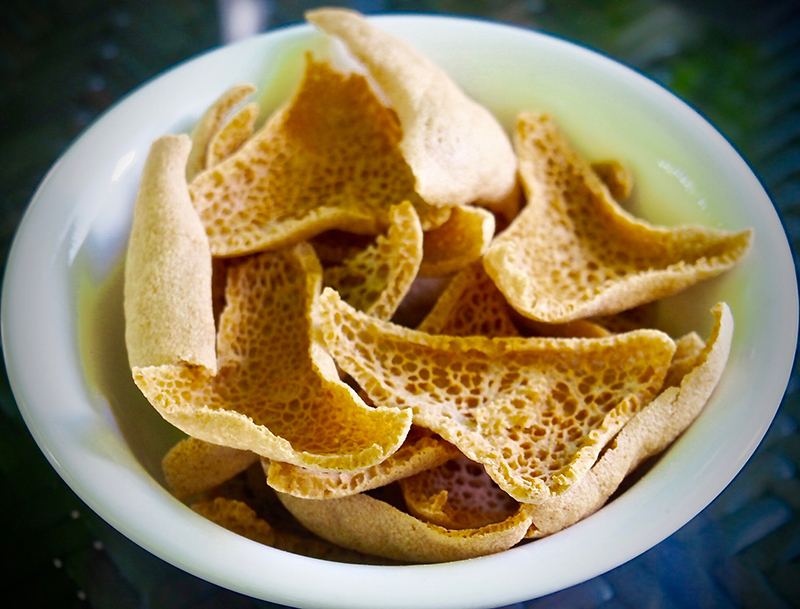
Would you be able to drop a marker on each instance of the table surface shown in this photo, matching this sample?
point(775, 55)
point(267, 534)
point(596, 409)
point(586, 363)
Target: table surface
point(62, 62)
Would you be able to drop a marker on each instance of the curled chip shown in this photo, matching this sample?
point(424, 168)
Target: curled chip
point(422, 450)
point(211, 123)
point(312, 167)
point(309, 417)
point(372, 526)
point(457, 151)
point(457, 495)
point(193, 466)
point(572, 252)
point(233, 135)
point(617, 177)
point(461, 240)
point(376, 279)
point(534, 412)
point(648, 433)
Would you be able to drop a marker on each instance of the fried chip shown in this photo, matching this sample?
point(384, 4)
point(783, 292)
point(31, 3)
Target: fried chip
point(535, 412)
point(648, 433)
point(369, 525)
point(436, 117)
point(376, 279)
point(617, 177)
point(457, 495)
point(210, 124)
point(461, 240)
point(308, 417)
point(233, 135)
point(422, 450)
point(193, 466)
point(312, 167)
point(169, 317)
point(238, 517)
point(573, 252)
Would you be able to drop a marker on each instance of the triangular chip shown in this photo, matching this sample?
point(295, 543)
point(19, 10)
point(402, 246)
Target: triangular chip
point(376, 279)
point(457, 151)
point(573, 252)
point(328, 159)
point(457, 495)
point(372, 526)
point(535, 412)
point(461, 240)
point(422, 450)
point(233, 135)
point(210, 123)
point(307, 417)
point(169, 317)
point(648, 433)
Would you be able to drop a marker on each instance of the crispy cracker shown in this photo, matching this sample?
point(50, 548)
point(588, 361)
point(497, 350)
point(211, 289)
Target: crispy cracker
point(535, 412)
point(309, 417)
point(616, 176)
point(237, 517)
point(573, 252)
point(461, 240)
point(648, 433)
point(437, 118)
point(169, 317)
point(232, 135)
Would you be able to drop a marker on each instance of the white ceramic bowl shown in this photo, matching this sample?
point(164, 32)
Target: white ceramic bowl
point(65, 354)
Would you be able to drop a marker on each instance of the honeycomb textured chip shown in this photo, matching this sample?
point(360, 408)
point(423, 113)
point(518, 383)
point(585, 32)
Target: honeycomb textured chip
point(169, 316)
point(617, 177)
point(535, 412)
point(458, 152)
point(422, 450)
point(238, 517)
point(457, 495)
point(232, 135)
point(307, 417)
point(193, 466)
point(572, 252)
point(470, 305)
point(210, 124)
point(461, 240)
point(648, 433)
point(312, 167)
point(372, 526)
point(376, 279)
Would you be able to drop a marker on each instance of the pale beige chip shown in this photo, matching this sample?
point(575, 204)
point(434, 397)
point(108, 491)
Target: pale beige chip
point(617, 177)
point(210, 124)
point(457, 151)
point(463, 239)
point(232, 135)
point(193, 466)
point(535, 412)
point(648, 433)
point(169, 317)
point(369, 525)
point(457, 495)
point(422, 450)
point(573, 252)
point(327, 159)
point(277, 392)
point(376, 279)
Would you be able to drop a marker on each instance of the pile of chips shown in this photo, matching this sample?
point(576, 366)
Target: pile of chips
point(390, 331)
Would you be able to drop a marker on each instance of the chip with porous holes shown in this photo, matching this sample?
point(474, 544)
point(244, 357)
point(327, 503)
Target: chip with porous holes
point(535, 412)
point(376, 279)
point(461, 240)
point(573, 252)
point(312, 167)
point(309, 417)
point(457, 495)
point(232, 135)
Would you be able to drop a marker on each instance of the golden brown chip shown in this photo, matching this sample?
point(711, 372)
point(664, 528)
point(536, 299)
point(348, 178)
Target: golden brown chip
point(209, 125)
point(233, 135)
point(193, 466)
point(535, 412)
point(369, 525)
point(313, 167)
point(237, 517)
point(461, 240)
point(169, 317)
point(457, 495)
point(648, 433)
point(376, 279)
point(436, 117)
point(306, 416)
point(422, 450)
point(573, 252)
point(617, 177)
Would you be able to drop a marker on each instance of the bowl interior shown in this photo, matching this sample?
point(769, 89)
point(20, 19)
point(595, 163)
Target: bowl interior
point(62, 313)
